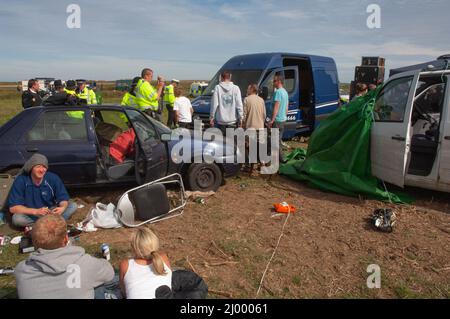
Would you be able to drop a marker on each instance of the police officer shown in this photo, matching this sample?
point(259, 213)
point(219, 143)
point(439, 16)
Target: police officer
point(70, 88)
point(147, 96)
point(60, 96)
point(129, 98)
point(169, 100)
point(31, 96)
point(84, 94)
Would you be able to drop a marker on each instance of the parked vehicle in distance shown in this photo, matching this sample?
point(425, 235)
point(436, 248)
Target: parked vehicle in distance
point(410, 142)
point(76, 141)
point(311, 81)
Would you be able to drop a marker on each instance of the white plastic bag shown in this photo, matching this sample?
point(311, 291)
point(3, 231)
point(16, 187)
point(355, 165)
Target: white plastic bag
point(104, 216)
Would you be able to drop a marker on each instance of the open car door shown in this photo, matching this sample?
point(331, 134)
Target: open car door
point(444, 166)
point(390, 135)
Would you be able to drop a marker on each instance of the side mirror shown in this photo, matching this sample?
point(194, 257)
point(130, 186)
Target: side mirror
point(264, 92)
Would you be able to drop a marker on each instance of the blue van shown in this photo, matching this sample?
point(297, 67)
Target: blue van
point(311, 81)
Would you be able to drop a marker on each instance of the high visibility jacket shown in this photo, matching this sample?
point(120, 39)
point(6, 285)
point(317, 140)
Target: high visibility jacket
point(169, 95)
point(74, 114)
point(88, 95)
point(146, 96)
point(129, 100)
point(71, 92)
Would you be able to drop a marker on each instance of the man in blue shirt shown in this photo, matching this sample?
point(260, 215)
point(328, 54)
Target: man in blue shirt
point(280, 109)
point(36, 193)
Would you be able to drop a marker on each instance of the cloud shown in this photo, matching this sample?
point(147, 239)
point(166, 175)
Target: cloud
point(291, 14)
point(193, 38)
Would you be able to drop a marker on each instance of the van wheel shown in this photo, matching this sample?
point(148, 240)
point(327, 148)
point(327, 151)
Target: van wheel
point(204, 177)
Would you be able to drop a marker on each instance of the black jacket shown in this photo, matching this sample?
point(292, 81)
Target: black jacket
point(61, 98)
point(185, 285)
point(30, 99)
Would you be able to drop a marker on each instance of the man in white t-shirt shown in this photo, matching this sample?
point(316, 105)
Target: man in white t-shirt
point(183, 109)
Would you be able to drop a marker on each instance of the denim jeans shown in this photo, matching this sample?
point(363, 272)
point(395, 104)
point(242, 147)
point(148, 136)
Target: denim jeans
point(109, 290)
point(22, 220)
point(280, 126)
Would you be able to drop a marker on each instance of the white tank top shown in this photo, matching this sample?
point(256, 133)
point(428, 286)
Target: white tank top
point(141, 281)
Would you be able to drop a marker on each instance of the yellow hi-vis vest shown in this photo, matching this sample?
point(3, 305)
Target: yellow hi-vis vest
point(88, 95)
point(169, 95)
point(129, 100)
point(71, 92)
point(74, 114)
point(146, 96)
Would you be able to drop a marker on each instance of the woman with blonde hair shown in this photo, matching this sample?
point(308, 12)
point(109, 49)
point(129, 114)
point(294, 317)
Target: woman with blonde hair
point(148, 270)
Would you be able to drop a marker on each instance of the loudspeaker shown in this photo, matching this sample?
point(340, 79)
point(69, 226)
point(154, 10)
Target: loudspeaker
point(373, 61)
point(369, 74)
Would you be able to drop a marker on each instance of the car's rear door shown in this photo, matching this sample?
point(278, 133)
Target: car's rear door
point(390, 134)
point(63, 137)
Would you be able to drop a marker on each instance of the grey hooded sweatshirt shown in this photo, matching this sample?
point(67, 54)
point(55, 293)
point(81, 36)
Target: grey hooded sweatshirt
point(226, 104)
point(63, 273)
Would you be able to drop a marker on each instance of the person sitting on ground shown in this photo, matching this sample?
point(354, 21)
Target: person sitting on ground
point(361, 90)
point(58, 270)
point(36, 193)
point(141, 276)
point(182, 108)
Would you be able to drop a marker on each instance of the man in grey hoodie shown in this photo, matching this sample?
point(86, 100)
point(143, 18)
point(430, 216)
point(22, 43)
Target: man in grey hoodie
point(226, 104)
point(58, 270)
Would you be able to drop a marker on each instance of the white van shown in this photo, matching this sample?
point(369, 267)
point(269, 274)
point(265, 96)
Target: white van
point(410, 142)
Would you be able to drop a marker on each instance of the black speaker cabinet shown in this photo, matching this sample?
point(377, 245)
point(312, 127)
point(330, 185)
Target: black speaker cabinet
point(373, 61)
point(369, 74)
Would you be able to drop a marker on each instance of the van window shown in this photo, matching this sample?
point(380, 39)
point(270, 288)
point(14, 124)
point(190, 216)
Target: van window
point(242, 78)
point(391, 102)
point(289, 81)
point(58, 126)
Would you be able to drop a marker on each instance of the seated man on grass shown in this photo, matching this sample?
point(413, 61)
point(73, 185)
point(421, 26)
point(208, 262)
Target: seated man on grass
point(36, 193)
point(58, 270)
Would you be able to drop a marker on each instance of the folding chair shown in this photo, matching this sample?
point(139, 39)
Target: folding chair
point(150, 203)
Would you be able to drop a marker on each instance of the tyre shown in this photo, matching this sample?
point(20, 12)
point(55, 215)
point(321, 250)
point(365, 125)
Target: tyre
point(204, 177)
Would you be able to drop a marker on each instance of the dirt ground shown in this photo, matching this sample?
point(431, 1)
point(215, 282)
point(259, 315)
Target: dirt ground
point(324, 253)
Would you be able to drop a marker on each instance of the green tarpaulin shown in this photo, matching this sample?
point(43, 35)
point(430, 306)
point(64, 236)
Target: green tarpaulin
point(338, 155)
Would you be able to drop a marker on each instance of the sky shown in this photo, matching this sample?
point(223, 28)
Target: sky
point(192, 39)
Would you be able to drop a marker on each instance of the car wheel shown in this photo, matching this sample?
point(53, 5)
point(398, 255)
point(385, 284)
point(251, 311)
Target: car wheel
point(204, 177)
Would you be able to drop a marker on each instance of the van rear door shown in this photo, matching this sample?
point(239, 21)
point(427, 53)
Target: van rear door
point(390, 135)
point(444, 163)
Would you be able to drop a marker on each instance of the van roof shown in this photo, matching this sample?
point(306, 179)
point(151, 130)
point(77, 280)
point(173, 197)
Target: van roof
point(268, 60)
point(441, 64)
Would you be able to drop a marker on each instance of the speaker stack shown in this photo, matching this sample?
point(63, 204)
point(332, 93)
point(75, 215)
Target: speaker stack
point(371, 71)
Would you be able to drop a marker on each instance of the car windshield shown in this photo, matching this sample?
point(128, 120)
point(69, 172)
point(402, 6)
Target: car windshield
point(242, 78)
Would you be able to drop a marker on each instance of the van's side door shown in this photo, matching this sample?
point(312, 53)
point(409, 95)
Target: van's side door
point(290, 75)
point(390, 134)
point(444, 163)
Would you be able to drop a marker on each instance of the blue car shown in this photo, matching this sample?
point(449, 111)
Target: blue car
point(77, 140)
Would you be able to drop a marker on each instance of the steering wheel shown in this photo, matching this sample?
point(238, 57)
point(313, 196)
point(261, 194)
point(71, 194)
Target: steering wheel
point(140, 177)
